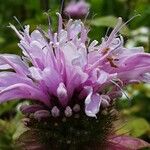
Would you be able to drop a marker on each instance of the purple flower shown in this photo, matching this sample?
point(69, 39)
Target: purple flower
point(77, 9)
point(64, 72)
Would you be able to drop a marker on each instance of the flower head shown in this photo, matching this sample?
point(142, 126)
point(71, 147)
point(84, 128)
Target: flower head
point(63, 71)
point(77, 9)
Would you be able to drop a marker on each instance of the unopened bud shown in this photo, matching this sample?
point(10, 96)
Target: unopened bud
point(41, 114)
point(105, 101)
point(76, 108)
point(28, 109)
point(55, 111)
point(68, 112)
point(62, 93)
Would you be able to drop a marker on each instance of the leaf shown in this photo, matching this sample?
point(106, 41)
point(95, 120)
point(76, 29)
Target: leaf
point(109, 21)
point(136, 127)
point(7, 107)
point(2, 40)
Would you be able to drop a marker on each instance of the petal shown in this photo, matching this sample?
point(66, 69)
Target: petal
point(92, 104)
point(52, 79)
point(75, 78)
point(146, 77)
point(62, 37)
point(35, 73)
point(99, 76)
point(70, 52)
point(131, 51)
point(128, 142)
point(20, 90)
point(10, 78)
point(75, 28)
point(135, 61)
point(81, 59)
point(37, 36)
point(10, 61)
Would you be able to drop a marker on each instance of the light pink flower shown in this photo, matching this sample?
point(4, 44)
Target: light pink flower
point(63, 69)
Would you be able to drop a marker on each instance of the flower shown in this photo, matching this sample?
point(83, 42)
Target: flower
point(62, 71)
point(77, 9)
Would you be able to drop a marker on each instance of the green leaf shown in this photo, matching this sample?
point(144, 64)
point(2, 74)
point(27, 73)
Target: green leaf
point(109, 21)
point(6, 107)
point(136, 127)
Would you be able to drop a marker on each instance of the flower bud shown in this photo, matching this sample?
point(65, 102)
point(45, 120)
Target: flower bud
point(105, 101)
point(76, 108)
point(28, 109)
point(77, 9)
point(68, 112)
point(62, 93)
point(55, 112)
point(41, 114)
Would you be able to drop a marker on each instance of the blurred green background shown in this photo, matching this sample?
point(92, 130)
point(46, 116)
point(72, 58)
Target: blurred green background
point(103, 14)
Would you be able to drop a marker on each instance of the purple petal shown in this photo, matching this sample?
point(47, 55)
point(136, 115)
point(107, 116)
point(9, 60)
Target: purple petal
point(99, 76)
point(20, 90)
point(134, 67)
point(128, 142)
point(146, 77)
point(9, 61)
point(138, 60)
point(10, 78)
point(75, 77)
point(92, 104)
point(52, 79)
point(70, 52)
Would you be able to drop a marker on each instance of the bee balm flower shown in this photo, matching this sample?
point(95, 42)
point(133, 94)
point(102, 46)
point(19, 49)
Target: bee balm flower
point(62, 73)
point(77, 9)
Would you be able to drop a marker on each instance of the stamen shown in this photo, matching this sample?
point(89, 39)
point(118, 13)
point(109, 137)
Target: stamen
point(128, 21)
point(62, 6)
point(120, 89)
point(68, 28)
point(59, 22)
point(115, 30)
point(105, 50)
point(16, 31)
point(111, 62)
point(107, 32)
point(86, 17)
point(18, 22)
point(49, 24)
